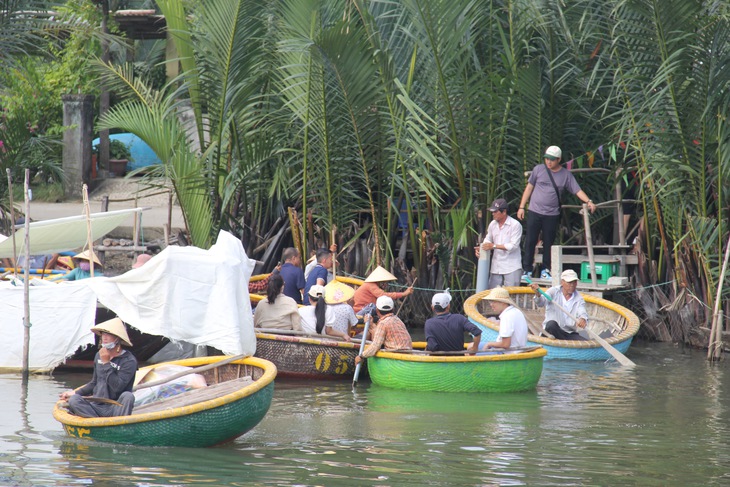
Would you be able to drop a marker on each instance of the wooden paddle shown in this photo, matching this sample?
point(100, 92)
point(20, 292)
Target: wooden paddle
point(620, 358)
point(362, 348)
point(195, 370)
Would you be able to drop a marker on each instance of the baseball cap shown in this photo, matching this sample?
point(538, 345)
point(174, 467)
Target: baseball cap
point(384, 303)
point(441, 299)
point(499, 204)
point(569, 276)
point(553, 152)
point(316, 291)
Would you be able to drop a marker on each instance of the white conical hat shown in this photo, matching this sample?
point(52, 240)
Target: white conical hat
point(116, 327)
point(380, 275)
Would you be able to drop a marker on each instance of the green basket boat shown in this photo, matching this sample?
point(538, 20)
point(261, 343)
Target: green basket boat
point(237, 398)
point(491, 372)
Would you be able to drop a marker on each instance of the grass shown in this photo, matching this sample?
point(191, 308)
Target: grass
point(52, 192)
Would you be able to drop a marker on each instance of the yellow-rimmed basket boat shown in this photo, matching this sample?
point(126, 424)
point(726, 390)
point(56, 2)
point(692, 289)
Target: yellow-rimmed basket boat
point(302, 356)
point(237, 398)
point(605, 318)
point(494, 371)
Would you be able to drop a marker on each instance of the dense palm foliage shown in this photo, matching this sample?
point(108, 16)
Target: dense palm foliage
point(389, 126)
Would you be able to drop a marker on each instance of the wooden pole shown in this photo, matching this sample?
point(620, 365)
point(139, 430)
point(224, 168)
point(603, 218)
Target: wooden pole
point(26, 288)
point(714, 348)
point(589, 245)
point(89, 241)
point(12, 223)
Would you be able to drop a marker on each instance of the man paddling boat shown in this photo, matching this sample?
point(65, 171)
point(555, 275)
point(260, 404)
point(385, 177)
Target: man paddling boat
point(557, 322)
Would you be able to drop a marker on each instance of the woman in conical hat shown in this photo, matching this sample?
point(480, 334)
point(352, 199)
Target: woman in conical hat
point(113, 378)
point(374, 287)
point(336, 295)
point(83, 267)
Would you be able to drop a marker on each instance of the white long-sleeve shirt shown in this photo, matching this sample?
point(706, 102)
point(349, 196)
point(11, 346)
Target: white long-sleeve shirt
point(509, 235)
point(575, 305)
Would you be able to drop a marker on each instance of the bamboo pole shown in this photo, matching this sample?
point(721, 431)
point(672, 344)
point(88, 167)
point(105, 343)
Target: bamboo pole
point(89, 241)
point(26, 288)
point(12, 223)
point(589, 245)
point(714, 347)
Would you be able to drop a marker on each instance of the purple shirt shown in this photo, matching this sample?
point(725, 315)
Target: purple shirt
point(543, 199)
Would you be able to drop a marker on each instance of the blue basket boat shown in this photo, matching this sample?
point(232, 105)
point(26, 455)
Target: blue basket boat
point(615, 323)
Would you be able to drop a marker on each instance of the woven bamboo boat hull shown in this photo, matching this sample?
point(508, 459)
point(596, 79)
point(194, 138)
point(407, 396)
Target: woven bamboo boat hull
point(509, 372)
point(202, 424)
point(605, 316)
point(308, 357)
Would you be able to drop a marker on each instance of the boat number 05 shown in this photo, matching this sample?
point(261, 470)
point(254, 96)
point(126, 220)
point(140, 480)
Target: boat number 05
point(324, 361)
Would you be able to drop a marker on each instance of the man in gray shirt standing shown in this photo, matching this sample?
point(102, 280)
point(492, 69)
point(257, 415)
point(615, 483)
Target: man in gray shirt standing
point(544, 186)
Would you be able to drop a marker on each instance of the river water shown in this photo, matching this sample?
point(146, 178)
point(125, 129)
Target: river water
point(665, 422)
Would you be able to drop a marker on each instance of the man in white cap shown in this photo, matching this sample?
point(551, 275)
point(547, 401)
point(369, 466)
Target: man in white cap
point(111, 384)
point(390, 331)
point(544, 186)
point(445, 330)
point(512, 323)
point(557, 323)
point(374, 287)
point(504, 235)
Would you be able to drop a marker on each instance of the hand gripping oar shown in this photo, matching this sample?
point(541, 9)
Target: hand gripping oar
point(620, 358)
point(362, 348)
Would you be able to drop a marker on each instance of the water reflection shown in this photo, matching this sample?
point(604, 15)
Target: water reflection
point(663, 423)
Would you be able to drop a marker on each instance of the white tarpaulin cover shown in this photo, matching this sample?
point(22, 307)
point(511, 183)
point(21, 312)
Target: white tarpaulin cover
point(186, 293)
point(59, 234)
point(60, 318)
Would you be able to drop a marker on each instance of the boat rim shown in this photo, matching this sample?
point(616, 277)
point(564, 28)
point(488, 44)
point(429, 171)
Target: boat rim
point(539, 352)
point(62, 415)
point(311, 340)
point(631, 329)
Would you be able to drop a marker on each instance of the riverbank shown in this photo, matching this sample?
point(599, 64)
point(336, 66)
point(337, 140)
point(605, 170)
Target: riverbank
point(160, 210)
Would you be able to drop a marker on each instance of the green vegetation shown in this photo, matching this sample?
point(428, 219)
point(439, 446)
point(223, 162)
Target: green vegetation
point(391, 125)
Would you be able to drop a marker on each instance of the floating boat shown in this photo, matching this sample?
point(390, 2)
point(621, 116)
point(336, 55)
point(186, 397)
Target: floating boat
point(236, 399)
point(303, 356)
point(493, 371)
point(616, 324)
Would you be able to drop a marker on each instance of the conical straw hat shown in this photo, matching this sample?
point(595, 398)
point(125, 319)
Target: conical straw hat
point(337, 292)
point(116, 327)
point(499, 294)
point(85, 256)
point(380, 275)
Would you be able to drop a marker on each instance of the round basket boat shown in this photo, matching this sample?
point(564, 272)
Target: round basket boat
point(308, 357)
point(237, 398)
point(489, 372)
point(615, 323)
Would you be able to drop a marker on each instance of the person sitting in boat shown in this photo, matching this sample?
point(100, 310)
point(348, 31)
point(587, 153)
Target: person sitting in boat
point(512, 323)
point(111, 383)
point(317, 315)
point(557, 323)
point(374, 287)
point(389, 331)
point(277, 310)
point(83, 267)
point(320, 274)
point(445, 330)
point(336, 295)
point(292, 273)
